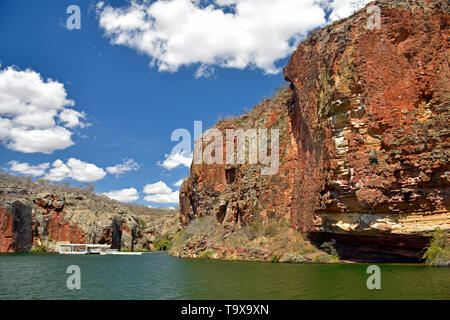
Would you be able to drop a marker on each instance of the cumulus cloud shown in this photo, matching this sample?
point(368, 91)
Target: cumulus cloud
point(163, 198)
point(124, 195)
point(178, 183)
point(157, 188)
point(27, 169)
point(343, 8)
point(34, 113)
point(175, 160)
point(225, 33)
point(71, 118)
point(126, 166)
point(159, 192)
point(75, 169)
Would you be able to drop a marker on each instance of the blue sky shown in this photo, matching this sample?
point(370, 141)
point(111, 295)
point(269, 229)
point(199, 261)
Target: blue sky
point(131, 108)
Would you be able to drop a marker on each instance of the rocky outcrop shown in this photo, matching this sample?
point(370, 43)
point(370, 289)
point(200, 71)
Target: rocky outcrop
point(235, 194)
point(39, 221)
point(15, 227)
point(364, 140)
point(6, 229)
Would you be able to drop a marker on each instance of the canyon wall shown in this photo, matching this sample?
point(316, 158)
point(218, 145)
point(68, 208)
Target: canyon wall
point(364, 140)
point(40, 221)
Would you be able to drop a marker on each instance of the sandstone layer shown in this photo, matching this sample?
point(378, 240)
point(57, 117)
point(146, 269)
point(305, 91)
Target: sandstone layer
point(364, 140)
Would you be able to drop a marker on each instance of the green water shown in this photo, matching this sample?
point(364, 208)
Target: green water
point(159, 276)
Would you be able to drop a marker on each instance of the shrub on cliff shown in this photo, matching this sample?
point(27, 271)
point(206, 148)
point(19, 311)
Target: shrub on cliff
point(330, 248)
point(438, 253)
point(200, 227)
point(162, 244)
point(207, 254)
point(274, 259)
point(39, 249)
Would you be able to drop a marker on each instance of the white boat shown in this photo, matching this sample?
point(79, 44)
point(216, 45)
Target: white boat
point(101, 249)
point(108, 252)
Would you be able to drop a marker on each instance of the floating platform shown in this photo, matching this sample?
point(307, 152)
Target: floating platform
point(83, 249)
point(121, 253)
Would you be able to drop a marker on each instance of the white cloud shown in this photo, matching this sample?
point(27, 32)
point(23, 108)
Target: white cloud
point(75, 169)
point(157, 188)
point(344, 8)
point(33, 113)
point(226, 33)
point(175, 160)
point(59, 171)
point(178, 183)
point(27, 169)
point(85, 172)
point(124, 195)
point(126, 166)
point(163, 198)
point(71, 118)
point(204, 71)
point(159, 192)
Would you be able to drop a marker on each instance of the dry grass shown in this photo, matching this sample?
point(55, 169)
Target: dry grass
point(26, 188)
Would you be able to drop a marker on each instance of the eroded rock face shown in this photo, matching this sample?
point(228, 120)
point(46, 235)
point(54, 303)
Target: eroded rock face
point(373, 128)
point(6, 228)
point(15, 227)
point(236, 193)
point(366, 139)
point(29, 221)
point(58, 218)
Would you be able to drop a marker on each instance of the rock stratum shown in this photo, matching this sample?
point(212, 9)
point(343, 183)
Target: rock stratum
point(38, 216)
point(364, 146)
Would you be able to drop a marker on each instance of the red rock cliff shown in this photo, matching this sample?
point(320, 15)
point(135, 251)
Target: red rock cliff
point(364, 143)
point(40, 220)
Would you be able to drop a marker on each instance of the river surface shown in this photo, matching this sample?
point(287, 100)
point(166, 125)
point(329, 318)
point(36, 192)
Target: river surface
point(160, 276)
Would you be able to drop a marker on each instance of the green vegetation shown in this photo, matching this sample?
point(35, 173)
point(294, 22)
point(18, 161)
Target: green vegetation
point(329, 247)
point(136, 250)
point(162, 243)
point(271, 239)
point(207, 254)
point(271, 228)
point(142, 223)
point(438, 253)
point(254, 229)
point(325, 258)
point(42, 248)
point(291, 258)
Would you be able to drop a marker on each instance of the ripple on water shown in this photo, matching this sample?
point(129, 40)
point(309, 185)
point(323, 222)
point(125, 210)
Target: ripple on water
point(159, 276)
